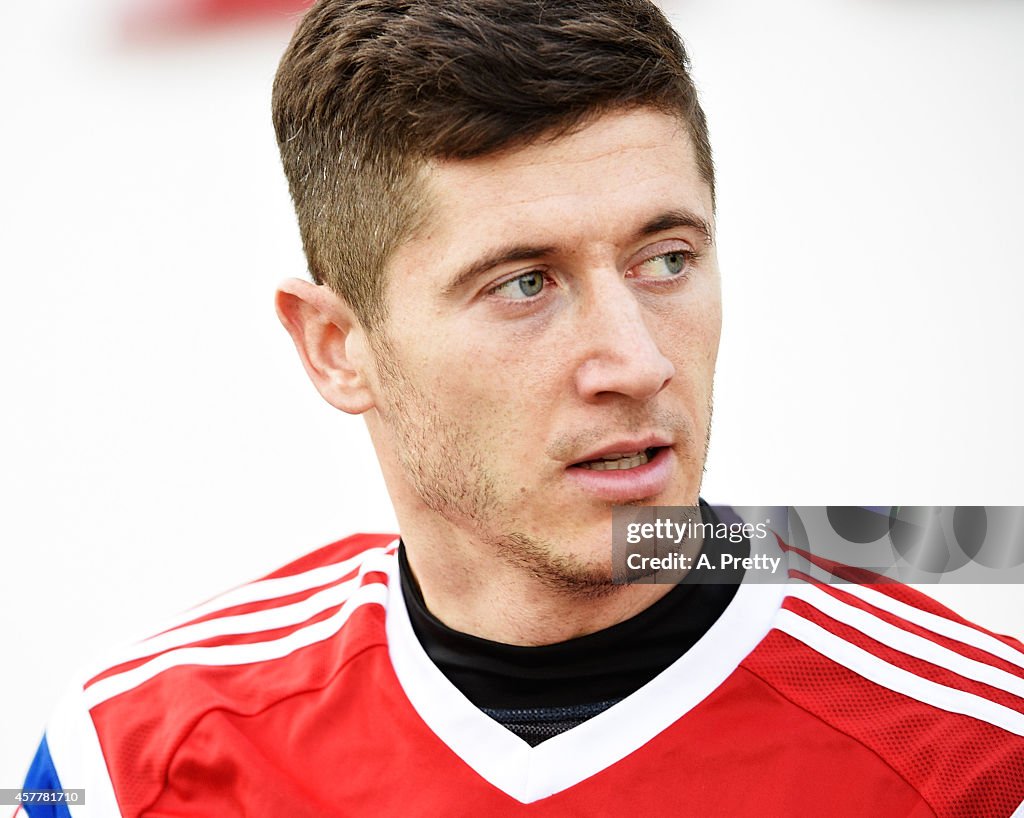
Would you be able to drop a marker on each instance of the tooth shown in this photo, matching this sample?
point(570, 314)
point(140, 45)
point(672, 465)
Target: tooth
point(617, 462)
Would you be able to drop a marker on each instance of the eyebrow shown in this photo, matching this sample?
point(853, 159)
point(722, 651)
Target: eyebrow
point(668, 220)
point(502, 255)
point(678, 218)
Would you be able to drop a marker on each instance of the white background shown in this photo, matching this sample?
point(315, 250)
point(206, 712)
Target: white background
point(160, 443)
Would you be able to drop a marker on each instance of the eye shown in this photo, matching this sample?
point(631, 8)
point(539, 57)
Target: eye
point(665, 265)
point(522, 287)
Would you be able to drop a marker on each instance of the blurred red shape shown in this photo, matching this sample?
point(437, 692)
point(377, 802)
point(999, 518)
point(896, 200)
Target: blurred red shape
point(168, 16)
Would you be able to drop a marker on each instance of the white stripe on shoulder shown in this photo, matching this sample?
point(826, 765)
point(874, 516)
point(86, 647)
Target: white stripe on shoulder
point(266, 589)
point(77, 756)
point(907, 642)
point(254, 622)
point(1019, 812)
point(177, 633)
point(940, 625)
point(895, 678)
point(370, 593)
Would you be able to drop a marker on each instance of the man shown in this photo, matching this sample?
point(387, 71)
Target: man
point(508, 211)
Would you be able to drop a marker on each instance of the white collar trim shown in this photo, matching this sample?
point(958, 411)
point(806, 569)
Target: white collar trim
point(529, 774)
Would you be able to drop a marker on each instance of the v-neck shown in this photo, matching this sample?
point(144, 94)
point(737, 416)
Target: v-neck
point(527, 773)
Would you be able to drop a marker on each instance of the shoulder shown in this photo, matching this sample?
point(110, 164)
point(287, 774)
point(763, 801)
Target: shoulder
point(937, 698)
point(240, 653)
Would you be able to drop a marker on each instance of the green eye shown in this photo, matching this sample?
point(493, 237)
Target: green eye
point(674, 262)
point(522, 287)
point(531, 283)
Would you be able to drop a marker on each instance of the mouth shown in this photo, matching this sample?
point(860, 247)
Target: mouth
point(623, 474)
point(620, 461)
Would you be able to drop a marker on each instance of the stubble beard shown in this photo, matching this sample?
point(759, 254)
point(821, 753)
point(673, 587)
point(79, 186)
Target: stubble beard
point(465, 494)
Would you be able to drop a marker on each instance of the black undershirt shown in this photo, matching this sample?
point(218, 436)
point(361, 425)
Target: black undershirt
point(538, 692)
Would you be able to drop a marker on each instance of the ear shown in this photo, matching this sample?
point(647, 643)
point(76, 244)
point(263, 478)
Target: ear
point(330, 341)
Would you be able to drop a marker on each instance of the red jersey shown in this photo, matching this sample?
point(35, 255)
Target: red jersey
point(307, 693)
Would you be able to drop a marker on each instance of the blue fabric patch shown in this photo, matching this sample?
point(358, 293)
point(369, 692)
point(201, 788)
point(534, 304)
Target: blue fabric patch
point(42, 775)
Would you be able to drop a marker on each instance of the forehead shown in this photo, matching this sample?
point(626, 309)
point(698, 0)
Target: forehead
point(597, 183)
point(634, 137)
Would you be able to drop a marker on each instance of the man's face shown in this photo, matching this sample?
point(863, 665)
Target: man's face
point(550, 344)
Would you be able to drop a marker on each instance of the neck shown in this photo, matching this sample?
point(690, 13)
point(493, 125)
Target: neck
point(471, 589)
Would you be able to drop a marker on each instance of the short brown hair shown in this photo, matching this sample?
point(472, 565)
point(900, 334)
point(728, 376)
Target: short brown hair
point(370, 90)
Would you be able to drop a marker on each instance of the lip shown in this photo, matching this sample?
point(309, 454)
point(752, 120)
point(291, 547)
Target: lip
point(625, 446)
point(626, 485)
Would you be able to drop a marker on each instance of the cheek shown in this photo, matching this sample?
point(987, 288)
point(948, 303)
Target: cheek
point(710, 336)
point(502, 400)
point(690, 341)
point(479, 387)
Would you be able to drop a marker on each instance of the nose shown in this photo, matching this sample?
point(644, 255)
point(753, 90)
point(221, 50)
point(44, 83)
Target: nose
point(621, 355)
